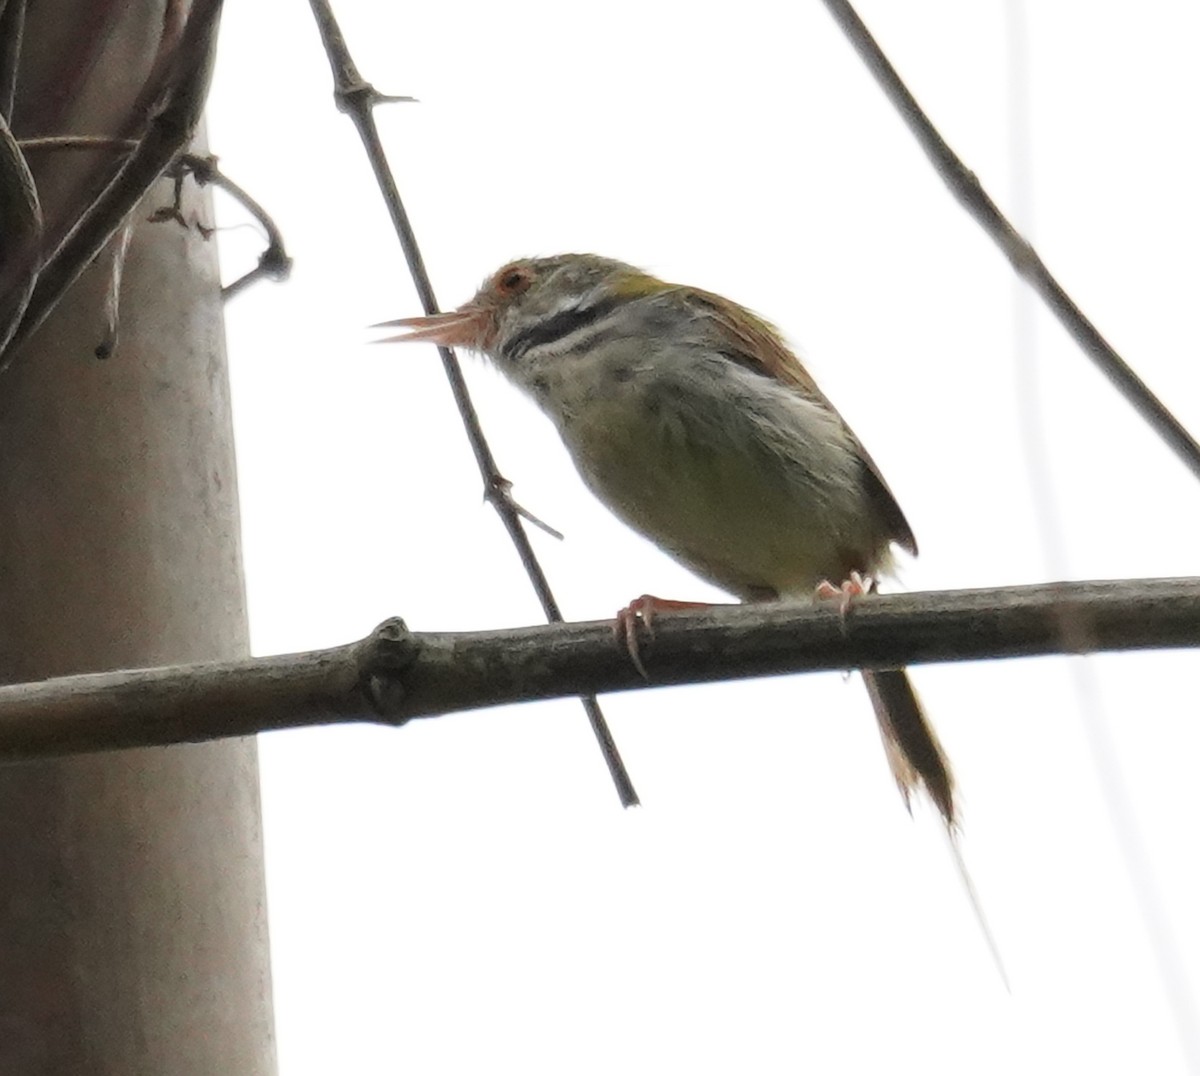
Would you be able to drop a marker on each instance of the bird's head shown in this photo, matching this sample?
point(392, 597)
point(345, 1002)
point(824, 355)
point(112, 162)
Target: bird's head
point(537, 306)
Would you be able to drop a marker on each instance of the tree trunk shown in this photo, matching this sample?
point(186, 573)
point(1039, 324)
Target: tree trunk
point(132, 911)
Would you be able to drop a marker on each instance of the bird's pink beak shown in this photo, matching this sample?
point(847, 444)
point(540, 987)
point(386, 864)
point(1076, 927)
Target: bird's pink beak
point(459, 328)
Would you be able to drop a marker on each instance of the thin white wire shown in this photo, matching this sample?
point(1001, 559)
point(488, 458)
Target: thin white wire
point(1097, 730)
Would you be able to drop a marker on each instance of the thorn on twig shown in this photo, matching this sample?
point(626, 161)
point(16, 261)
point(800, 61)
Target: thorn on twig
point(499, 491)
point(359, 96)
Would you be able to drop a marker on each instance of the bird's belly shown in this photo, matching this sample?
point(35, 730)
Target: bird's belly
point(722, 499)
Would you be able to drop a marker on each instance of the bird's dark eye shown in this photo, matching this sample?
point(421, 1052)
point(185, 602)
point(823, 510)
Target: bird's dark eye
point(513, 280)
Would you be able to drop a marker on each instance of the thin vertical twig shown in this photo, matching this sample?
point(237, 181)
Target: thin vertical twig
point(357, 98)
point(965, 186)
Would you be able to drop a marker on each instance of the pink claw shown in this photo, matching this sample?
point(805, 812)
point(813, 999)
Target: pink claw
point(854, 587)
point(643, 610)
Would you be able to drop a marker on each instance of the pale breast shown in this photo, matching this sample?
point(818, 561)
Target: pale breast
point(741, 478)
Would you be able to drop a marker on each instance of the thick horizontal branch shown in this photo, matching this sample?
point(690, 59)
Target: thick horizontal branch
point(395, 675)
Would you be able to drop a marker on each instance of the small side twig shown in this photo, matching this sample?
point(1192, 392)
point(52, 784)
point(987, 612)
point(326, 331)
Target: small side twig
point(965, 186)
point(501, 490)
point(357, 97)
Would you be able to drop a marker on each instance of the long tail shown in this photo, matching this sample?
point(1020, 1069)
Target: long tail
point(917, 761)
point(914, 753)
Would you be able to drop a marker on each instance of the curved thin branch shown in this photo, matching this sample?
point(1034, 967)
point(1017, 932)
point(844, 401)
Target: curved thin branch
point(965, 186)
point(394, 676)
point(274, 263)
point(357, 97)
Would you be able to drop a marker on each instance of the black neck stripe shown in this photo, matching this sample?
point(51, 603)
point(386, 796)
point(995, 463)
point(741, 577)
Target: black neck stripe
point(558, 326)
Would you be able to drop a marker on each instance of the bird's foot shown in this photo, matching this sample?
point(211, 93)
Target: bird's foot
point(854, 587)
point(643, 611)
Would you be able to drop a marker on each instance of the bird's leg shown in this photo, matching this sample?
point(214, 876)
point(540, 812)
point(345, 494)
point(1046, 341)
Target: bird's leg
point(643, 610)
point(854, 587)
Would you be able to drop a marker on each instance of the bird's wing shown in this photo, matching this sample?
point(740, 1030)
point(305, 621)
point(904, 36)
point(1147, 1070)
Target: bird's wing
point(756, 344)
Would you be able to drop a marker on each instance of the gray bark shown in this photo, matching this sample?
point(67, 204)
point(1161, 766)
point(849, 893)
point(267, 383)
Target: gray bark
point(132, 911)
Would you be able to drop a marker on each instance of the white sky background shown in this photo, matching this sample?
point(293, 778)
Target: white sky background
point(465, 895)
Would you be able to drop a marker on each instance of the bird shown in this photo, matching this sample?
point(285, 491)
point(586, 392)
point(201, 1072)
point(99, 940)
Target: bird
point(690, 417)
